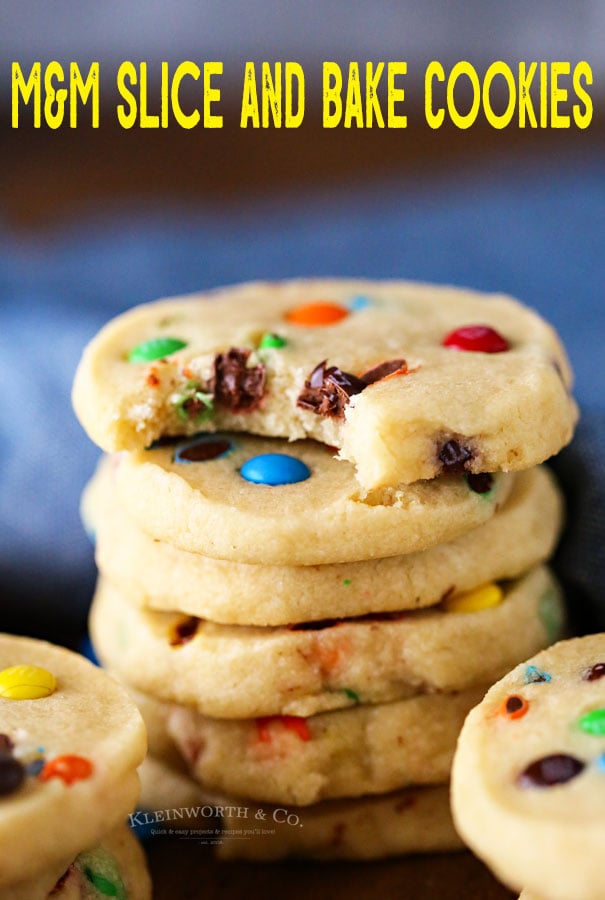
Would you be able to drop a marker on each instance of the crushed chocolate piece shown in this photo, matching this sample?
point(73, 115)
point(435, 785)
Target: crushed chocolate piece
point(383, 370)
point(514, 703)
point(327, 391)
point(338, 832)
point(559, 768)
point(166, 440)
point(406, 802)
point(480, 483)
point(12, 774)
point(205, 450)
point(447, 594)
point(594, 673)
point(236, 385)
point(6, 744)
point(183, 631)
point(193, 407)
point(61, 882)
point(454, 456)
point(320, 624)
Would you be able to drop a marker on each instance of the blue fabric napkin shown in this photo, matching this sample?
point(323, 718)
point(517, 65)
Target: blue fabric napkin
point(536, 233)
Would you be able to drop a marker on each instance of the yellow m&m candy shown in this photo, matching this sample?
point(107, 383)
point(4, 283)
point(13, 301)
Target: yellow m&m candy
point(26, 683)
point(472, 601)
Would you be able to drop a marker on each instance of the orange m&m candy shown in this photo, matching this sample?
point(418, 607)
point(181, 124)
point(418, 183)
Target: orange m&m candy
point(321, 312)
point(67, 768)
point(514, 707)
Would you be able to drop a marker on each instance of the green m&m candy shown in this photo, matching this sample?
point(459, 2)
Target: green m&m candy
point(274, 341)
point(155, 348)
point(593, 722)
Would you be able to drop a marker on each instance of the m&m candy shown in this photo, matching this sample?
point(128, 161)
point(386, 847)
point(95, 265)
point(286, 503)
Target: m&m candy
point(476, 339)
point(26, 683)
point(472, 601)
point(69, 768)
point(155, 348)
point(275, 469)
point(321, 312)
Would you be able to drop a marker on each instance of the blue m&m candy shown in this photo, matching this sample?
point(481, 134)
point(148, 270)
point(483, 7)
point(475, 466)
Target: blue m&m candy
point(274, 469)
point(359, 302)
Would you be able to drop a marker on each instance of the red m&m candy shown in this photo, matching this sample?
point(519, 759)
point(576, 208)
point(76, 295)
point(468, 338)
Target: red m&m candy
point(291, 723)
point(477, 339)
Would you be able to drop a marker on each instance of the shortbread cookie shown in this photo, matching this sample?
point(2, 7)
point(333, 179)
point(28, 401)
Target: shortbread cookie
point(347, 753)
point(155, 712)
point(115, 868)
point(165, 787)
point(308, 668)
point(406, 379)
point(70, 742)
point(157, 575)
point(529, 774)
point(200, 496)
point(413, 820)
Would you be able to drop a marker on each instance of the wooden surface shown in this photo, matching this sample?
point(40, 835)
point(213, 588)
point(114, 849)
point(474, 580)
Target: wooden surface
point(182, 871)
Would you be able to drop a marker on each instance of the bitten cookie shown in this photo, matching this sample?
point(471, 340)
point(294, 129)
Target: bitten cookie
point(308, 668)
point(529, 775)
point(70, 743)
point(347, 753)
point(406, 379)
point(263, 501)
point(156, 575)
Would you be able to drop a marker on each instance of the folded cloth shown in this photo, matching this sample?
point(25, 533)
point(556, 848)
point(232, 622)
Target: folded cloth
point(534, 231)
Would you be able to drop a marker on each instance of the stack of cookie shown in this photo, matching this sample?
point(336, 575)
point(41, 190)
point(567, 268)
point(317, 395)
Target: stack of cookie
point(314, 618)
point(70, 745)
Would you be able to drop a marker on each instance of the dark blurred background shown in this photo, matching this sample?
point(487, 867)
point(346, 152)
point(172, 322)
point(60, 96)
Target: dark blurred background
point(96, 220)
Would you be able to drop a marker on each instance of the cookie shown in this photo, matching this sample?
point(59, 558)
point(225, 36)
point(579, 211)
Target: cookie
point(200, 496)
point(157, 575)
point(406, 379)
point(70, 743)
point(154, 713)
point(346, 753)
point(412, 820)
point(529, 774)
point(312, 667)
point(165, 787)
point(115, 868)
